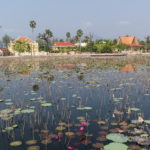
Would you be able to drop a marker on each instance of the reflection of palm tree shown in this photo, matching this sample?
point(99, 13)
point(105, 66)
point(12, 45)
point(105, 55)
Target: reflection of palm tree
point(33, 26)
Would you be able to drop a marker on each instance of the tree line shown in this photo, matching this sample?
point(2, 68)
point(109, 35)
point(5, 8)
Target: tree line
point(46, 40)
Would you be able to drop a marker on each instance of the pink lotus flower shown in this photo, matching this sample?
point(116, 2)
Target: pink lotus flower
point(81, 128)
point(69, 147)
point(84, 123)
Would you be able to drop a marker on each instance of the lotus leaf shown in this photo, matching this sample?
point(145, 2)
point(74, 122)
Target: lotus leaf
point(147, 121)
point(16, 143)
point(117, 137)
point(135, 109)
point(46, 104)
point(31, 142)
point(116, 146)
point(27, 111)
point(60, 128)
point(33, 148)
point(69, 133)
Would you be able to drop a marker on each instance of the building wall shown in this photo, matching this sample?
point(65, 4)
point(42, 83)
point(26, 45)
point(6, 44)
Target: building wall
point(34, 46)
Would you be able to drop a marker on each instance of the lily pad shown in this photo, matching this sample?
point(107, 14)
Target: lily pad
point(60, 128)
point(31, 142)
point(117, 137)
point(116, 146)
point(27, 111)
point(69, 133)
point(135, 109)
point(15, 143)
point(33, 148)
point(46, 104)
point(147, 121)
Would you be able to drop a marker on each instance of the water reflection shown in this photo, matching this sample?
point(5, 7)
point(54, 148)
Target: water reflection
point(74, 105)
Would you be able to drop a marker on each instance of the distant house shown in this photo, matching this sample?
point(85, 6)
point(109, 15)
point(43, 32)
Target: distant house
point(129, 41)
point(59, 45)
point(81, 44)
point(33, 44)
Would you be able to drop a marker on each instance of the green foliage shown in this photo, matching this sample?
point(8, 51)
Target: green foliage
point(22, 46)
point(45, 40)
point(147, 47)
point(104, 48)
point(68, 35)
point(79, 33)
point(6, 40)
point(121, 47)
point(32, 24)
point(89, 48)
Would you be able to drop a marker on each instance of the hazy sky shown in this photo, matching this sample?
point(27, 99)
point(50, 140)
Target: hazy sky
point(103, 18)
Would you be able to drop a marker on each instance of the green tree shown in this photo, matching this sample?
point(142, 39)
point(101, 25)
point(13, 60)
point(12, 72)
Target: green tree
point(104, 48)
point(68, 35)
point(6, 39)
point(32, 25)
point(79, 34)
point(86, 39)
point(46, 37)
point(22, 46)
point(121, 47)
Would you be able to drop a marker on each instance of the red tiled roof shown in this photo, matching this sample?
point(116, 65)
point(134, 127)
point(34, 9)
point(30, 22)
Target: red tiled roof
point(24, 39)
point(64, 44)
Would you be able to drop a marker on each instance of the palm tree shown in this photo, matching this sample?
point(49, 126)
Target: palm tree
point(79, 34)
point(33, 26)
point(68, 35)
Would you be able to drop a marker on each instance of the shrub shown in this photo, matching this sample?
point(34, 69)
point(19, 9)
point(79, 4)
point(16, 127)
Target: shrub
point(104, 48)
point(89, 48)
point(21, 46)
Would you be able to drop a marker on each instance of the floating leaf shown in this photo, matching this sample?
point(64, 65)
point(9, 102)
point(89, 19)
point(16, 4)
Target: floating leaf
point(60, 128)
point(147, 121)
point(27, 111)
point(69, 133)
point(46, 104)
point(135, 109)
point(31, 142)
point(33, 148)
point(117, 137)
point(116, 146)
point(15, 143)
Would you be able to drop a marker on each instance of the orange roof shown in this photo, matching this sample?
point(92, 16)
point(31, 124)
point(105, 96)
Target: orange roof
point(24, 39)
point(129, 40)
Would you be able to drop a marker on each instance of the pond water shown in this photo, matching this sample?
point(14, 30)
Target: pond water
point(74, 103)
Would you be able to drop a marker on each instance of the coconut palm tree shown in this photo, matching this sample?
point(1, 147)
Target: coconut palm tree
point(68, 35)
point(33, 26)
point(79, 34)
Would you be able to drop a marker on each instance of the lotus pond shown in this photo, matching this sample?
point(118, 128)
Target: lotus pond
point(78, 103)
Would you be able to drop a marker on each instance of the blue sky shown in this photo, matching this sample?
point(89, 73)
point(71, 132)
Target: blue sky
point(102, 18)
